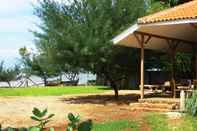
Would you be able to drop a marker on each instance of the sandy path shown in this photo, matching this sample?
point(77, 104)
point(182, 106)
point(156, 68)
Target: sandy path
point(16, 111)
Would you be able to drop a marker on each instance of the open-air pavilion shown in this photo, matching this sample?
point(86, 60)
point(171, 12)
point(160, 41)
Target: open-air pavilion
point(170, 31)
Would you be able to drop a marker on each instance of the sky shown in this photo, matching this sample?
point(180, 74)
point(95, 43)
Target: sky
point(16, 21)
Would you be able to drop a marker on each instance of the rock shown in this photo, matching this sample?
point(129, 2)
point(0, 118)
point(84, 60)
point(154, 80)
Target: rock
point(174, 115)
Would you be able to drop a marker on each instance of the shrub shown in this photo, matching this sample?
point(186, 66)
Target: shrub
point(41, 117)
point(191, 104)
point(73, 122)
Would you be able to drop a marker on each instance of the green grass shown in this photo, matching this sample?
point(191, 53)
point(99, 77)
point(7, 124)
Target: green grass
point(157, 122)
point(51, 91)
point(120, 125)
point(188, 123)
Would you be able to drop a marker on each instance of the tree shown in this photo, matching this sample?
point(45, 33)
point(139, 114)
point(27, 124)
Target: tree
point(26, 70)
point(158, 5)
point(79, 34)
point(37, 64)
point(9, 74)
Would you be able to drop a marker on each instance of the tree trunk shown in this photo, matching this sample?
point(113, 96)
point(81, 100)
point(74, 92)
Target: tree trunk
point(45, 81)
point(26, 82)
point(9, 84)
point(112, 84)
point(116, 92)
point(115, 88)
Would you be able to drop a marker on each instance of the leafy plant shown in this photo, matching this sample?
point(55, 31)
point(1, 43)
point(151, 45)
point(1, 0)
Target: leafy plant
point(41, 117)
point(73, 122)
point(34, 129)
point(191, 104)
point(51, 129)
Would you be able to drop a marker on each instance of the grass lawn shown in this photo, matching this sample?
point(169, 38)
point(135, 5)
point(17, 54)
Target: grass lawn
point(159, 122)
point(51, 91)
point(121, 125)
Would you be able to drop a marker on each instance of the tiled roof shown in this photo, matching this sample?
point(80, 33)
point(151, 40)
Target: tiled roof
point(181, 12)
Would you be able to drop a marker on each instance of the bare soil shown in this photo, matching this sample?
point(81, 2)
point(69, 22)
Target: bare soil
point(16, 111)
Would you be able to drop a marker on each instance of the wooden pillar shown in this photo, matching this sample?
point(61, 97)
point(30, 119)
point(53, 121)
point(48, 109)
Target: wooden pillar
point(142, 40)
point(196, 62)
point(172, 53)
point(182, 100)
point(142, 72)
point(173, 82)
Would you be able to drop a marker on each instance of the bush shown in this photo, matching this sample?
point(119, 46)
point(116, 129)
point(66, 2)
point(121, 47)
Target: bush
point(41, 117)
point(191, 104)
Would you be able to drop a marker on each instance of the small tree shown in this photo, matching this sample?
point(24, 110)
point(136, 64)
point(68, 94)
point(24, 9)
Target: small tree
point(38, 65)
point(9, 74)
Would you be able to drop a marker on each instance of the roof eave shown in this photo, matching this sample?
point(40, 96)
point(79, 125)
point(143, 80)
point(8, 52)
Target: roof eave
point(125, 33)
point(170, 22)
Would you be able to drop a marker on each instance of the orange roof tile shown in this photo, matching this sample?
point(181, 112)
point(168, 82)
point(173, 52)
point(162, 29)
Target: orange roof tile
point(181, 12)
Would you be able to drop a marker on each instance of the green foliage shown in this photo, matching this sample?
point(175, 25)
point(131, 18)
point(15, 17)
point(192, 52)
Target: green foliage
point(11, 129)
point(73, 122)
point(41, 117)
point(155, 6)
point(26, 62)
point(185, 64)
point(34, 129)
point(191, 104)
point(159, 5)
point(22, 129)
point(10, 74)
point(77, 36)
point(51, 129)
point(37, 64)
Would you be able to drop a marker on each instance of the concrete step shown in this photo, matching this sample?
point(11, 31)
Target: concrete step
point(155, 105)
point(159, 100)
point(161, 107)
point(146, 109)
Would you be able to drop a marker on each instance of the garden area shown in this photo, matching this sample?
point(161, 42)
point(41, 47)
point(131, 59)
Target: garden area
point(89, 111)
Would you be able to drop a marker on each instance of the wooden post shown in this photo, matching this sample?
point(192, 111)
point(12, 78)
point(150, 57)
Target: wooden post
point(173, 82)
point(142, 71)
point(172, 53)
point(182, 101)
point(142, 41)
point(196, 62)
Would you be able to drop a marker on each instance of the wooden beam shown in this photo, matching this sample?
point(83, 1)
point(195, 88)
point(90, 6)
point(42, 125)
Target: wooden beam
point(164, 37)
point(147, 40)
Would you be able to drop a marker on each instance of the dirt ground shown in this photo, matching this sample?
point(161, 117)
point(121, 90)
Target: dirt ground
point(16, 111)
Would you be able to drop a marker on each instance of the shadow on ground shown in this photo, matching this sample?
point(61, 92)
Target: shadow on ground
point(102, 99)
point(124, 99)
